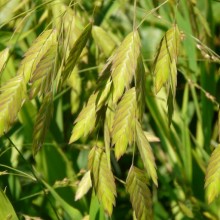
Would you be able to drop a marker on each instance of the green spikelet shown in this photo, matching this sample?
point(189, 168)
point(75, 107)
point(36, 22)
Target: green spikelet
point(12, 97)
point(102, 178)
point(123, 125)
point(3, 58)
point(85, 122)
point(146, 153)
point(140, 195)
point(166, 58)
point(124, 64)
point(42, 122)
point(43, 76)
point(35, 53)
point(75, 52)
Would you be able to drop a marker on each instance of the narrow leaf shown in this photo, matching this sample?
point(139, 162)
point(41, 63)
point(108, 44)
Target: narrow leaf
point(12, 97)
point(70, 210)
point(76, 51)
point(123, 125)
point(212, 178)
point(42, 122)
point(84, 185)
point(102, 178)
point(6, 209)
point(146, 153)
point(140, 195)
point(124, 64)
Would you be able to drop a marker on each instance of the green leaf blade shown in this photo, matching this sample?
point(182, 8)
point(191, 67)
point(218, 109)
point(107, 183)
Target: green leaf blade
point(212, 178)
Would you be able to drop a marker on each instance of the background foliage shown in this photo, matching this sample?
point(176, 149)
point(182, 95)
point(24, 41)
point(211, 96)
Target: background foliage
point(109, 109)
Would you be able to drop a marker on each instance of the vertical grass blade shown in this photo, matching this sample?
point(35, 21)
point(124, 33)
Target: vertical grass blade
point(6, 209)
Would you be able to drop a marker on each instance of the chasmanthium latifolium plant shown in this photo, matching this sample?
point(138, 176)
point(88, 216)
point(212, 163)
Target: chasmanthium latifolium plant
point(110, 118)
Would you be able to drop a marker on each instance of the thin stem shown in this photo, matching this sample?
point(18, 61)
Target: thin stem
point(34, 174)
point(134, 16)
point(151, 12)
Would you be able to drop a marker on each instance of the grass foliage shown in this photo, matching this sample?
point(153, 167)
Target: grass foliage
point(102, 101)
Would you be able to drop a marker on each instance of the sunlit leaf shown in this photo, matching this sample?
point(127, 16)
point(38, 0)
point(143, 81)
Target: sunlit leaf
point(6, 209)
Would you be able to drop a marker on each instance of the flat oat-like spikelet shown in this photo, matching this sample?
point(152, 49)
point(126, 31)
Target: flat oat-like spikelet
point(75, 52)
point(84, 185)
point(85, 122)
point(146, 153)
point(12, 96)
point(42, 122)
point(212, 177)
point(165, 66)
point(124, 64)
point(3, 58)
point(103, 40)
point(102, 178)
point(35, 53)
point(140, 81)
point(123, 125)
point(166, 58)
point(140, 194)
point(43, 76)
